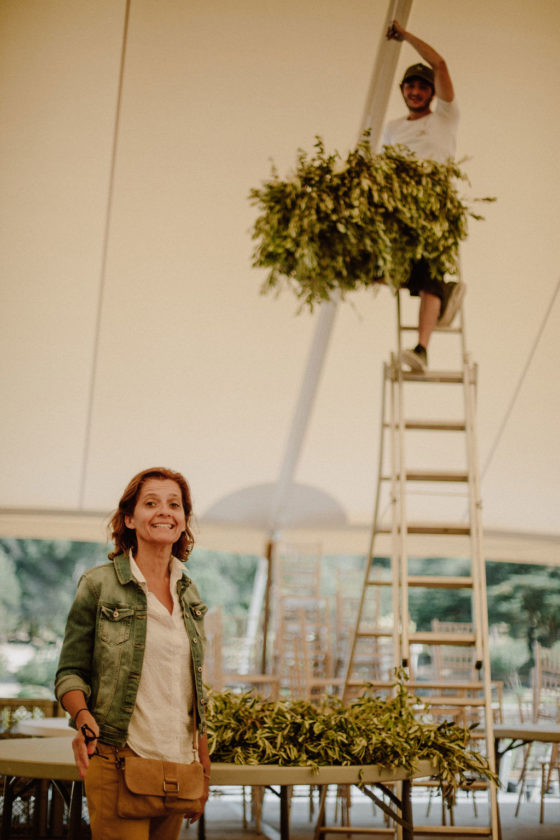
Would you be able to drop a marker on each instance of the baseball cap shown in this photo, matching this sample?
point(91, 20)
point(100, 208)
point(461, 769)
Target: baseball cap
point(419, 71)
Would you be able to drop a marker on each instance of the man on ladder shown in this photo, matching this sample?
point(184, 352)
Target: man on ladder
point(429, 134)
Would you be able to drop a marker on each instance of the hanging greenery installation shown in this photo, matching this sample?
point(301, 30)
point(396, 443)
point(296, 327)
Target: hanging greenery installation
point(339, 225)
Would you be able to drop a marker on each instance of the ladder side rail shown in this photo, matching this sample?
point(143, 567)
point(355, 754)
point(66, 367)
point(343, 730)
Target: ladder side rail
point(464, 352)
point(403, 571)
point(399, 324)
point(479, 579)
point(474, 510)
point(462, 324)
point(396, 548)
point(477, 533)
point(371, 548)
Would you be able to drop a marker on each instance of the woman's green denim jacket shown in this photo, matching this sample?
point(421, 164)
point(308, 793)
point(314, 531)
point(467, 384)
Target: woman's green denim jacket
point(104, 645)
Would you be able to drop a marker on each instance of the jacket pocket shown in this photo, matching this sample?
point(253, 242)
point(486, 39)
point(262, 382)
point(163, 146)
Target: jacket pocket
point(114, 623)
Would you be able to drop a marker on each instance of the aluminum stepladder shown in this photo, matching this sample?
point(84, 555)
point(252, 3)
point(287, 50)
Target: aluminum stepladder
point(384, 639)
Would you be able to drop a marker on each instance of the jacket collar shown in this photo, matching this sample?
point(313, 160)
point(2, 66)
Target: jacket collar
point(122, 568)
point(124, 572)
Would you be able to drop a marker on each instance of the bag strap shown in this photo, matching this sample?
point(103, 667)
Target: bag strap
point(195, 727)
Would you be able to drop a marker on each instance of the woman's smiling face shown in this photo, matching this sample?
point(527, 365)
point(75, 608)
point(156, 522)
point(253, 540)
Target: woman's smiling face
point(159, 516)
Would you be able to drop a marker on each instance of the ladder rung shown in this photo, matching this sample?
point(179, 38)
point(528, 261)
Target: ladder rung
point(434, 582)
point(348, 831)
point(446, 376)
point(416, 686)
point(407, 328)
point(432, 475)
point(455, 529)
point(448, 685)
point(452, 830)
point(434, 528)
point(379, 582)
point(454, 700)
point(433, 425)
point(374, 634)
point(436, 638)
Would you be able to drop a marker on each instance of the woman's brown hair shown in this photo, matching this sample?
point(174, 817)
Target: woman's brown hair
point(125, 538)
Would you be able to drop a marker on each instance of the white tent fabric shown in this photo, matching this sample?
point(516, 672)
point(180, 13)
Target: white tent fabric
point(132, 330)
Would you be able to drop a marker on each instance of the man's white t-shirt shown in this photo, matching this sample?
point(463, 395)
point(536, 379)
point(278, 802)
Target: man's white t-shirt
point(433, 136)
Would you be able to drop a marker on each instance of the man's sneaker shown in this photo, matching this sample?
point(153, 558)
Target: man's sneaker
point(453, 295)
point(416, 359)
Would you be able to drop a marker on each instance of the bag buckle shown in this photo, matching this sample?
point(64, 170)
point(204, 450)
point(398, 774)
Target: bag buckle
point(170, 787)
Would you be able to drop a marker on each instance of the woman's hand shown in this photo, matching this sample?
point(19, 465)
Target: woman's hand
point(85, 740)
point(204, 758)
point(204, 797)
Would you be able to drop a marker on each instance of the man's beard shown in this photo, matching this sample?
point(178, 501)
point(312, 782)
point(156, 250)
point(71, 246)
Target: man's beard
point(418, 109)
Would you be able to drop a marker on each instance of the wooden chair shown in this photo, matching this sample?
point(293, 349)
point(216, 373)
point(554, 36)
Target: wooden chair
point(347, 602)
point(303, 652)
point(15, 709)
point(297, 569)
point(26, 810)
point(453, 666)
point(545, 706)
point(216, 676)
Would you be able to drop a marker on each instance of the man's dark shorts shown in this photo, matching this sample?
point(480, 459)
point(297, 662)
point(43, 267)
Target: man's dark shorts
point(421, 281)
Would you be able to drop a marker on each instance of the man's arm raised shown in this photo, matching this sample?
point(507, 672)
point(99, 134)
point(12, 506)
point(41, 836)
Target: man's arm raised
point(442, 79)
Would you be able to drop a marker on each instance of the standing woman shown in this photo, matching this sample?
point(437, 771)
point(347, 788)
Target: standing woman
point(130, 669)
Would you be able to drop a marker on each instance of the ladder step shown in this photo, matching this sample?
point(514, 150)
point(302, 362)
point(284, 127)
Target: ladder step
point(428, 582)
point(434, 582)
point(432, 475)
point(433, 425)
point(436, 638)
point(447, 685)
point(447, 376)
point(407, 328)
point(473, 685)
point(416, 686)
point(350, 830)
point(455, 529)
point(452, 830)
point(454, 700)
point(374, 634)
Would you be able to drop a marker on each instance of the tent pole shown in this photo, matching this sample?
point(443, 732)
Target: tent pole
point(269, 554)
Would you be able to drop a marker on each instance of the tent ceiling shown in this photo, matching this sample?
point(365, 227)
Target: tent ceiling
point(193, 368)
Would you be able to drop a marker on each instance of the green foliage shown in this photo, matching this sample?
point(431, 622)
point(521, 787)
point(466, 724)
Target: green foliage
point(507, 658)
point(47, 572)
point(444, 604)
point(526, 598)
point(342, 225)
point(223, 579)
point(41, 669)
point(10, 596)
point(245, 729)
point(4, 672)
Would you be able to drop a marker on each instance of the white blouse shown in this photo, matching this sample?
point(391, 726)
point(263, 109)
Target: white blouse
point(161, 725)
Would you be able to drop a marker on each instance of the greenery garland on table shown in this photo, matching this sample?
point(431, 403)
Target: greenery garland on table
point(341, 225)
point(247, 729)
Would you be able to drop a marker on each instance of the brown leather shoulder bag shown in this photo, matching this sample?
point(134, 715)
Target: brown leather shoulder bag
point(149, 787)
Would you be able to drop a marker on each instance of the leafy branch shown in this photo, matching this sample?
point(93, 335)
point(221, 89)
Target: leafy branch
point(339, 225)
point(247, 729)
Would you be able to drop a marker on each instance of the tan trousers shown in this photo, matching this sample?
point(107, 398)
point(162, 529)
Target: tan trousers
point(102, 787)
